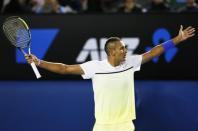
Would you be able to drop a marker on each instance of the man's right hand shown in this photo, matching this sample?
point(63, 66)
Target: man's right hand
point(32, 58)
point(59, 68)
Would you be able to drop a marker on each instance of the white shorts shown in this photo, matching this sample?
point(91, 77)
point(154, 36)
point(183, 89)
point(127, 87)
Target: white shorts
point(127, 126)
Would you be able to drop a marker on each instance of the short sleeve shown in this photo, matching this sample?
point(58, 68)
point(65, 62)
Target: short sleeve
point(135, 61)
point(89, 69)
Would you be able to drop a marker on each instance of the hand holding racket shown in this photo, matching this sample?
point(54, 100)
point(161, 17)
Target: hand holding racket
point(18, 33)
point(32, 58)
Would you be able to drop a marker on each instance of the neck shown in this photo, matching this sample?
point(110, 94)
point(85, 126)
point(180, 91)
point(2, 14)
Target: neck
point(113, 62)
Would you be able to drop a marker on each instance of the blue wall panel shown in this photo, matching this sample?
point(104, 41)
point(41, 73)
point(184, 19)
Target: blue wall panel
point(68, 106)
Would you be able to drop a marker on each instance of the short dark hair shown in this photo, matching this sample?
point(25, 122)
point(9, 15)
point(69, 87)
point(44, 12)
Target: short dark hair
point(110, 40)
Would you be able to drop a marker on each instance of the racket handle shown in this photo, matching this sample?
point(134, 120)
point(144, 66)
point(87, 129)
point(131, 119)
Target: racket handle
point(36, 72)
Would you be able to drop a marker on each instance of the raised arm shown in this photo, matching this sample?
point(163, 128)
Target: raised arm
point(55, 67)
point(159, 49)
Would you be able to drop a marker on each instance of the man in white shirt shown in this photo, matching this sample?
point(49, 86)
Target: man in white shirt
point(113, 80)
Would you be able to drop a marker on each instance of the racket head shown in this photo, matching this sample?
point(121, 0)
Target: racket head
point(17, 32)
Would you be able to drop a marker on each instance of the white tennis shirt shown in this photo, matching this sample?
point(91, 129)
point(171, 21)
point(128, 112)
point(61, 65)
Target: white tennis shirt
point(113, 89)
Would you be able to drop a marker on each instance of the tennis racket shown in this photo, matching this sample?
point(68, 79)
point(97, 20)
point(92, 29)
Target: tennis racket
point(18, 33)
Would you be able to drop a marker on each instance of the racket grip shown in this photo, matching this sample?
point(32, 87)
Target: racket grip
point(36, 72)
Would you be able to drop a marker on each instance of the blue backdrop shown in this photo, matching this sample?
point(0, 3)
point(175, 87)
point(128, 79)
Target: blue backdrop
point(68, 106)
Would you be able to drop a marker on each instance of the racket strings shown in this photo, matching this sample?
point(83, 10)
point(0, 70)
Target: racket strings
point(17, 36)
point(17, 33)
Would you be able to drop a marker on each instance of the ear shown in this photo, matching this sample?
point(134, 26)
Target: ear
point(113, 52)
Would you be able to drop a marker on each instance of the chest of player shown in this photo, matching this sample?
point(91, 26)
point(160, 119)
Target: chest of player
point(114, 80)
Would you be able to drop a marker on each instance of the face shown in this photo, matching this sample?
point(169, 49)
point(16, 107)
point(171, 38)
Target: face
point(38, 2)
point(129, 1)
point(120, 52)
point(157, 1)
point(190, 1)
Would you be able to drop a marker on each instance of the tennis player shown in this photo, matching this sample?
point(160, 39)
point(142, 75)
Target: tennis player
point(113, 80)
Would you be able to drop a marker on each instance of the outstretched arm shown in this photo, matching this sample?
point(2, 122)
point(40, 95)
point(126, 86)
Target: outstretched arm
point(159, 49)
point(55, 67)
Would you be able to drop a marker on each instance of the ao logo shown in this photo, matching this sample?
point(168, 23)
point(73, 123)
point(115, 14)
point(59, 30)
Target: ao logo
point(95, 51)
point(162, 34)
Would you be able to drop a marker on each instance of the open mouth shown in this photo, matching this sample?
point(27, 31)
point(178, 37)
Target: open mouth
point(124, 58)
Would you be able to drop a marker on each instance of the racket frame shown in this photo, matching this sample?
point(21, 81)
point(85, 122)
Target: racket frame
point(33, 65)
